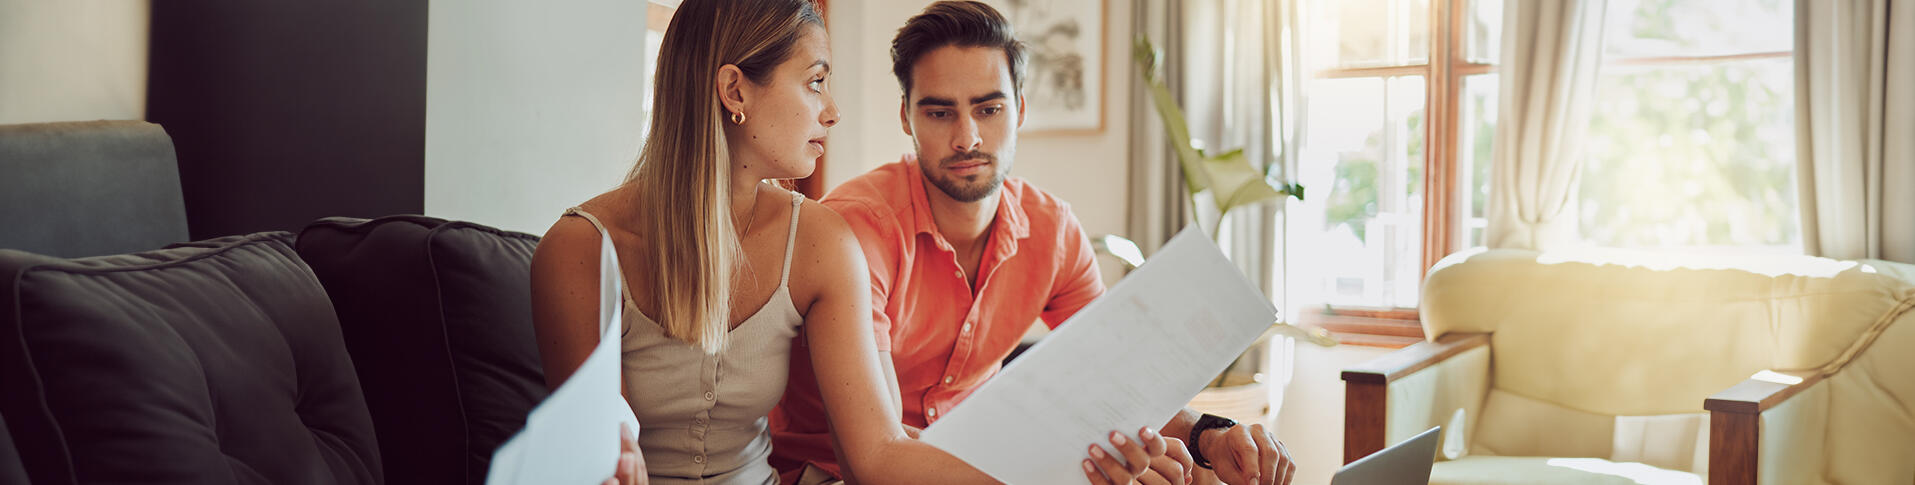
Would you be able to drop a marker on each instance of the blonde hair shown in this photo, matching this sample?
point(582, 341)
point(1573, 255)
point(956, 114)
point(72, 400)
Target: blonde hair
point(683, 175)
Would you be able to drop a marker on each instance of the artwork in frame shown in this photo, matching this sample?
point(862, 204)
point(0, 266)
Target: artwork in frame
point(1064, 80)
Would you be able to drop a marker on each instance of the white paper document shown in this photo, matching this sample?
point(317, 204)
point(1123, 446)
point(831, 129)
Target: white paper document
point(1128, 360)
point(572, 437)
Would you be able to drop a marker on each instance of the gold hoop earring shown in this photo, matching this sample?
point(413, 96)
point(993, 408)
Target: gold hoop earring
point(738, 117)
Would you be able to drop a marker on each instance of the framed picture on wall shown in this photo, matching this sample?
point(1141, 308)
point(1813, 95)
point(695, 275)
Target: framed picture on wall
point(1064, 79)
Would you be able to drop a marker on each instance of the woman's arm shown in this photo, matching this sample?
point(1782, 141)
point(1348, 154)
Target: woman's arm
point(565, 296)
point(866, 425)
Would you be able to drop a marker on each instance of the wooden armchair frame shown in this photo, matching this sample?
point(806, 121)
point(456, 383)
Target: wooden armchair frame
point(1735, 414)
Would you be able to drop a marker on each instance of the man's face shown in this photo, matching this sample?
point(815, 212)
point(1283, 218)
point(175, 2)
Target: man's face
point(962, 114)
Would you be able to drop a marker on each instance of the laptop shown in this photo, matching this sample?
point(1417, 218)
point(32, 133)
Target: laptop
point(1404, 464)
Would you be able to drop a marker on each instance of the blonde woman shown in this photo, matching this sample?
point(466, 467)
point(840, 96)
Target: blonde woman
point(722, 270)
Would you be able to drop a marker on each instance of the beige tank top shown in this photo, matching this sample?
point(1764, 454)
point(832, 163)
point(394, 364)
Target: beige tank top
point(702, 417)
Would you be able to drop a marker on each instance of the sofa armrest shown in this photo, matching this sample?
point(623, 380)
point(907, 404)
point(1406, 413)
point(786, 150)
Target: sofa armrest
point(1739, 414)
point(1366, 403)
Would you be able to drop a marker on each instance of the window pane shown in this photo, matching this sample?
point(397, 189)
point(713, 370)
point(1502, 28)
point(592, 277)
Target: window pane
point(1680, 28)
point(1693, 155)
point(1359, 242)
point(1485, 35)
point(1474, 146)
point(1371, 33)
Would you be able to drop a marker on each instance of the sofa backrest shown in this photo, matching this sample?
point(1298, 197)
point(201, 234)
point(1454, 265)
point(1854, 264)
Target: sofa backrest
point(89, 188)
point(212, 362)
point(438, 317)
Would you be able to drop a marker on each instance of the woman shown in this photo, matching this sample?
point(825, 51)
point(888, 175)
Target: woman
point(721, 268)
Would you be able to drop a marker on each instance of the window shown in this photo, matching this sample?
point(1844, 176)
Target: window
point(1399, 115)
point(1693, 142)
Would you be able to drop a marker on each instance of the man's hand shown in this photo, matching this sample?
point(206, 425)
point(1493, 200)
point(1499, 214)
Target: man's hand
point(1247, 455)
point(631, 464)
point(1140, 460)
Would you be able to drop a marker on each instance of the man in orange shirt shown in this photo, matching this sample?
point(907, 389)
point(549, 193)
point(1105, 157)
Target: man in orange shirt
point(963, 258)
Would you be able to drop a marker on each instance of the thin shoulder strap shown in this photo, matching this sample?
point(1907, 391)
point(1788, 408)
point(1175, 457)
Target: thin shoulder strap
point(623, 286)
point(791, 238)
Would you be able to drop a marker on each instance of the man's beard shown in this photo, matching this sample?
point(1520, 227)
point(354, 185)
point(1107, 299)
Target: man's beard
point(966, 190)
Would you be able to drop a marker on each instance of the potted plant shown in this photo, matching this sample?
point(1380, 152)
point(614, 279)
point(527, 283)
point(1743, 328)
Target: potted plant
point(1229, 181)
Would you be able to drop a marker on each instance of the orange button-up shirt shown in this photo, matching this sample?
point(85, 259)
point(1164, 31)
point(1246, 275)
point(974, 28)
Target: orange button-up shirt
point(945, 340)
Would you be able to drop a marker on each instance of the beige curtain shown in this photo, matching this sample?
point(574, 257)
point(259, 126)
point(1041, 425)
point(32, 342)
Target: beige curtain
point(1551, 53)
point(1855, 127)
point(1236, 104)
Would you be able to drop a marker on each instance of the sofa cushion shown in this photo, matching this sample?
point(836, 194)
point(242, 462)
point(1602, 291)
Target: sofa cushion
point(438, 315)
point(211, 362)
point(89, 188)
point(1524, 470)
point(11, 471)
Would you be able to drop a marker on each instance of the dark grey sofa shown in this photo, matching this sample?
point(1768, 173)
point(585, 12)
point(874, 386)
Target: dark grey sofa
point(396, 350)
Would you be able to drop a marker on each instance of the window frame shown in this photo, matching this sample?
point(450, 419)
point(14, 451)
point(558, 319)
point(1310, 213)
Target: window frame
point(1443, 72)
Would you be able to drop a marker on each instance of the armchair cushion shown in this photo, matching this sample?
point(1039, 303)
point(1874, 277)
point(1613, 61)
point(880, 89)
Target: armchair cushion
point(1525, 470)
point(213, 362)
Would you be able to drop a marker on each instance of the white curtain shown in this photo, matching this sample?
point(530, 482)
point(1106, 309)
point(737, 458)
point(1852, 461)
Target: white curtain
point(1551, 51)
point(1855, 127)
point(1242, 102)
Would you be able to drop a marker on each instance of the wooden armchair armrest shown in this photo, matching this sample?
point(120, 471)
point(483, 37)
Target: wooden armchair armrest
point(1410, 359)
point(1365, 388)
point(1735, 423)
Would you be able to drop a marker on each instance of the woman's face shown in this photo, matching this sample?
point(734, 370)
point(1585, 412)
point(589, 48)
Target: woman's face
point(786, 118)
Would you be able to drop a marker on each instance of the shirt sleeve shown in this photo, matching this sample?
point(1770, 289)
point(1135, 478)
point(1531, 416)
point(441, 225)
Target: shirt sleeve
point(879, 236)
point(1078, 279)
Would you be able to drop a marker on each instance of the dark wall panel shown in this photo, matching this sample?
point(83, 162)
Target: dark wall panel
point(285, 111)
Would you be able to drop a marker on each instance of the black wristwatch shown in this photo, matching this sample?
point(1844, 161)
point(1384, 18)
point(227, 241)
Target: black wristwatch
point(1205, 423)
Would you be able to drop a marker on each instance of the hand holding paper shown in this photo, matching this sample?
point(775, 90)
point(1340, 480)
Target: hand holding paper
point(1126, 361)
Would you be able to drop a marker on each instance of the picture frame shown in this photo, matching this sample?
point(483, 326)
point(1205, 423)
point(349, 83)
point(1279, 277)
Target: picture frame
point(1064, 85)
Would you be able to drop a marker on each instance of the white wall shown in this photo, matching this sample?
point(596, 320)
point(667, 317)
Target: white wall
point(1311, 421)
point(1091, 171)
point(531, 107)
point(73, 60)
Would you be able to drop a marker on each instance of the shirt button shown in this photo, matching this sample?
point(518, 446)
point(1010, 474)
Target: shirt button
point(709, 396)
point(966, 328)
point(698, 458)
point(947, 379)
point(931, 412)
point(959, 274)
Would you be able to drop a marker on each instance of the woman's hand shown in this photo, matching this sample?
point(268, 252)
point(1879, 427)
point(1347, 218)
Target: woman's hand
point(1175, 467)
point(631, 465)
point(1143, 460)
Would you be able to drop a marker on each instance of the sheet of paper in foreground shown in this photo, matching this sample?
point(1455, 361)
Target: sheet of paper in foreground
point(572, 437)
point(1128, 360)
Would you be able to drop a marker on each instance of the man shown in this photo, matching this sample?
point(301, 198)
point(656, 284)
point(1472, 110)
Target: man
point(963, 258)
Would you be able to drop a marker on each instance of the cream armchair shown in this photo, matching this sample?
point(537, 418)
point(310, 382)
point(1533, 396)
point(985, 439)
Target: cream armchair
point(1626, 368)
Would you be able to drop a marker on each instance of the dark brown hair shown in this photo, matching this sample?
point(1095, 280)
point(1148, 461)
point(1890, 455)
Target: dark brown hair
point(955, 23)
